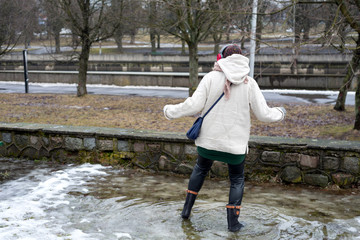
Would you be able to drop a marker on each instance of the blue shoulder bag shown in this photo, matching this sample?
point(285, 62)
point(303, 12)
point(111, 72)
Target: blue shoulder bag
point(194, 131)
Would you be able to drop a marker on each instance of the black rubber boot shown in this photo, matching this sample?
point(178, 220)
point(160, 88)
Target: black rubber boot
point(233, 212)
point(189, 202)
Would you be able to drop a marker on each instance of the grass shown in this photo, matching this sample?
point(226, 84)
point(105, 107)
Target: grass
point(302, 121)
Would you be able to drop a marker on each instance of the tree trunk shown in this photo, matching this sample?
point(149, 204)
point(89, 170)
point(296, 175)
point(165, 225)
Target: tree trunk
point(158, 41)
point(183, 47)
point(217, 40)
point(118, 36)
point(118, 39)
point(75, 40)
point(351, 69)
point(227, 33)
point(152, 20)
point(153, 41)
point(216, 48)
point(307, 27)
point(357, 105)
point(57, 42)
point(193, 67)
point(340, 101)
point(132, 38)
point(357, 94)
point(259, 28)
point(83, 65)
point(242, 42)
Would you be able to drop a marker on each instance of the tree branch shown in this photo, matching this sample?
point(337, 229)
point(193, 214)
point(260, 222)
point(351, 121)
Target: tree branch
point(349, 19)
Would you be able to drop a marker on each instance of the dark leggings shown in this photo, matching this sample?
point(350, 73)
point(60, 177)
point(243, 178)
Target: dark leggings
point(236, 175)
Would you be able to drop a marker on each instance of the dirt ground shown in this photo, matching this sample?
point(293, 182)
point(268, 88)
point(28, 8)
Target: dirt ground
point(302, 120)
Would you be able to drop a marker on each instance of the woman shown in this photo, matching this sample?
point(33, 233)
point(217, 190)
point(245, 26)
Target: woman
point(225, 131)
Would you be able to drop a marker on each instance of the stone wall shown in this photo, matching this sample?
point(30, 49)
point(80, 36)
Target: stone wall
point(313, 162)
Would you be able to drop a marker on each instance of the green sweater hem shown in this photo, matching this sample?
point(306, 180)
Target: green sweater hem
point(225, 157)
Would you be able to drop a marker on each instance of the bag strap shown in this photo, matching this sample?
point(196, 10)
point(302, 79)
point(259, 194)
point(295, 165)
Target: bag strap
point(214, 104)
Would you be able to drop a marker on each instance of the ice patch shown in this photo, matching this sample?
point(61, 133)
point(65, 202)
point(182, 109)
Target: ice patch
point(24, 214)
point(122, 235)
point(352, 229)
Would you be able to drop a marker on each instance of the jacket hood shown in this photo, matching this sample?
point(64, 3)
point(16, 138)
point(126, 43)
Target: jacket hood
point(235, 67)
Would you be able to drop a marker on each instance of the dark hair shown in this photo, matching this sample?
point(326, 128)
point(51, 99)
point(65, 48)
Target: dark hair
point(231, 49)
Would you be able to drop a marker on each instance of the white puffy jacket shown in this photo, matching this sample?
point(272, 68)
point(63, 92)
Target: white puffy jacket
point(227, 126)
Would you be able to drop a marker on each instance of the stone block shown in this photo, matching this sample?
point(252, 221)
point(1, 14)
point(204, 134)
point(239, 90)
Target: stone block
point(307, 161)
point(106, 145)
point(43, 153)
point(139, 147)
point(316, 180)
point(2, 151)
point(6, 137)
point(142, 161)
point(165, 164)
point(89, 143)
point(291, 174)
point(184, 169)
point(351, 164)
point(330, 163)
point(13, 151)
point(173, 148)
point(292, 157)
point(252, 157)
point(34, 141)
point(167, 148)
point(190, 150)
point(176, 149)
point(59, 155)
point(268, 156)
point(21, 141)
point(343, 179)
point(154, 147)
point(73, 143)
point(123, 146)
point(56, 142)
point(29, 152)
point(46, 141)
point(220, 169)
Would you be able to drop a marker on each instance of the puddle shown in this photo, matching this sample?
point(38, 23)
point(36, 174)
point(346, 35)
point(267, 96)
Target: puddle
point(43, 201)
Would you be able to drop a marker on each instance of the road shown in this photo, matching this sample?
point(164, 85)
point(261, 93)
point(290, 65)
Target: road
point(276, 95)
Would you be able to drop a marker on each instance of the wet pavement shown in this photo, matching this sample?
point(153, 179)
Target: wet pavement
point(276, 95)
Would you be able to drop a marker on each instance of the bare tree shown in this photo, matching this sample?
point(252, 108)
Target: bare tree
point(192, 21)
point(7, 26)
point(239, 18)
point(89, 21)
point(16, 17)
point(351, 12)
point(119, 7)
point(55, 20)
point(134, 15)
point(126, 14)
point(262, 6)
point(152, 23)
point(29, 24)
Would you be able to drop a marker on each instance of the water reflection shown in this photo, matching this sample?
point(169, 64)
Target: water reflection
point(96, 202)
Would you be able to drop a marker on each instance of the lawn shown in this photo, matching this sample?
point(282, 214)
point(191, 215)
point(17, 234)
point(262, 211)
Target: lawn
point(302, 120)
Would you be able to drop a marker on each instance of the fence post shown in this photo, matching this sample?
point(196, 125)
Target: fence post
point(26, 75)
